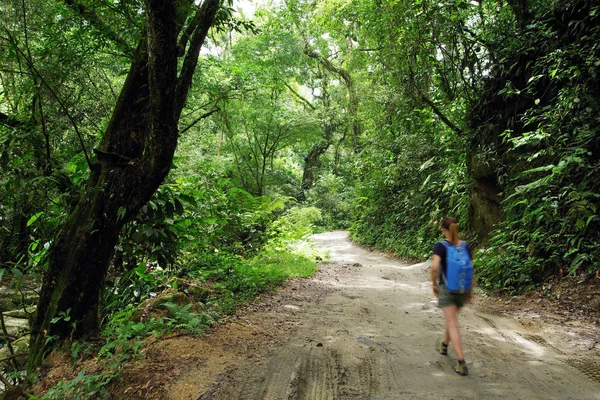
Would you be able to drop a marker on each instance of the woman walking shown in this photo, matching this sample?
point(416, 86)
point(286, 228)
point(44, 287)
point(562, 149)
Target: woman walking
point(452, 276)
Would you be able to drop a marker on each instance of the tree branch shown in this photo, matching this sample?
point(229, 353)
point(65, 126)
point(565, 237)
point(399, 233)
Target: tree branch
point(437, 111)
point(331, 67)
point(189, 30)
point(11, 350)
point(299, 96)
point(205, 17)
point(16, 355)
point(9, 121)
point(374, 49)
point(162, 81)
point(92, 17)
point(5, 381)
point(10, 71)
point(200, 118)
point(433, 106)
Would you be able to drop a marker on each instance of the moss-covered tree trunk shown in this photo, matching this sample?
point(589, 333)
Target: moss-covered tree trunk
point(133, 159)
point(312, 159)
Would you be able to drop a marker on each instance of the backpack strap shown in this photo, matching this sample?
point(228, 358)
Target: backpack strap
point(446, 245)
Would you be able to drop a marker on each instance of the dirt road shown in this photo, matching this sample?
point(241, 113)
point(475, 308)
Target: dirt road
point(371, 334)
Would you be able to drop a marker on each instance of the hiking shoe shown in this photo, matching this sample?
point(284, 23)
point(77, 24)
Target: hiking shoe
point(441, 347)
point(461, 368)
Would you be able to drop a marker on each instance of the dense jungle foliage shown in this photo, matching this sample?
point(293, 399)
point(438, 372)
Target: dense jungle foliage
point(288, 118)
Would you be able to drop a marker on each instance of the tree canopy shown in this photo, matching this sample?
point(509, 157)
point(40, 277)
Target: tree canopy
point(148, 140)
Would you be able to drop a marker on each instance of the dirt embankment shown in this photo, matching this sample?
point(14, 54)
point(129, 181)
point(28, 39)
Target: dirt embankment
point(364, 328)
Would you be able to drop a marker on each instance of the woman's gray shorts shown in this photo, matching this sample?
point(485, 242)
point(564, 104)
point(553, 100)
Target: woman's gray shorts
point(445, 298)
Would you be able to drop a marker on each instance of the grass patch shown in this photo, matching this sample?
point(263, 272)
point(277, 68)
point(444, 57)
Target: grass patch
point(233, 282)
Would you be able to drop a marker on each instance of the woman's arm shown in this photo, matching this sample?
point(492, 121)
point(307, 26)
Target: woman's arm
point(435, 269)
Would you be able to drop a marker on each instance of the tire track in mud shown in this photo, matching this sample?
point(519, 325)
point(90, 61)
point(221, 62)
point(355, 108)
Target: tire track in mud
point(590, 367)
point(317, 373)
point(510, 338)
point(296, 373)
point(587, 366)
point(488, 350)
point(541, 342)
point(313, 377)
point(375, 376)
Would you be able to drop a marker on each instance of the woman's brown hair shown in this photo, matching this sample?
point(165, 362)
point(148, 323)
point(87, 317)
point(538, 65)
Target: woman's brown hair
point(451, 224)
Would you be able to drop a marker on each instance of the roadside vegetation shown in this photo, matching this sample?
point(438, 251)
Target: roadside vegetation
point(126, 212)
point(184, 268)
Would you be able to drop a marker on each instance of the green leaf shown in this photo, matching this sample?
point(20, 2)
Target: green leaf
point(178, 206)
point(539, 169)
point(140, 271)
point(426, 181)
point(427, 164)
point(534, 185)
point(141, 268)
point(169, 209)
point(34, 218)
point(121, 213)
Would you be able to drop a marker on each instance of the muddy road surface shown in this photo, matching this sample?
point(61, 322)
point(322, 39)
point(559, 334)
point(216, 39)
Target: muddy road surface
point(371, 334)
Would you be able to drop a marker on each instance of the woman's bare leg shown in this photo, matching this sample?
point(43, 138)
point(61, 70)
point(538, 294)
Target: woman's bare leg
point(452, 332)
point(446, 335)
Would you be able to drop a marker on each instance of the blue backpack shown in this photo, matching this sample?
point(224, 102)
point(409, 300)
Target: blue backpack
point(459, 268)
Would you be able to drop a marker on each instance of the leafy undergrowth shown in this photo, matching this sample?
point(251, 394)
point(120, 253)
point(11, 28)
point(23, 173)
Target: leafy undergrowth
point(97, 364)
point(181, 366)
point(151, 302)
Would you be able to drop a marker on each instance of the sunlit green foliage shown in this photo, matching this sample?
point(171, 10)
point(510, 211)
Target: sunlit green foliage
point(333, 196)
point(413, 167)
point(381, 116)
point(549, 151)
point(55, 99)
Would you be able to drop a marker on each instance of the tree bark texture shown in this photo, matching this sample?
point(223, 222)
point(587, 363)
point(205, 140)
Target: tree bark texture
point(310, 166)
point(312, 159)
point(135, 156)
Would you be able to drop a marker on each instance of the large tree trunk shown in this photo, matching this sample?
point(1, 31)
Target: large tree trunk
point(312, 159)
point(522, 12)
point(310, 165)
point(135, 157)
